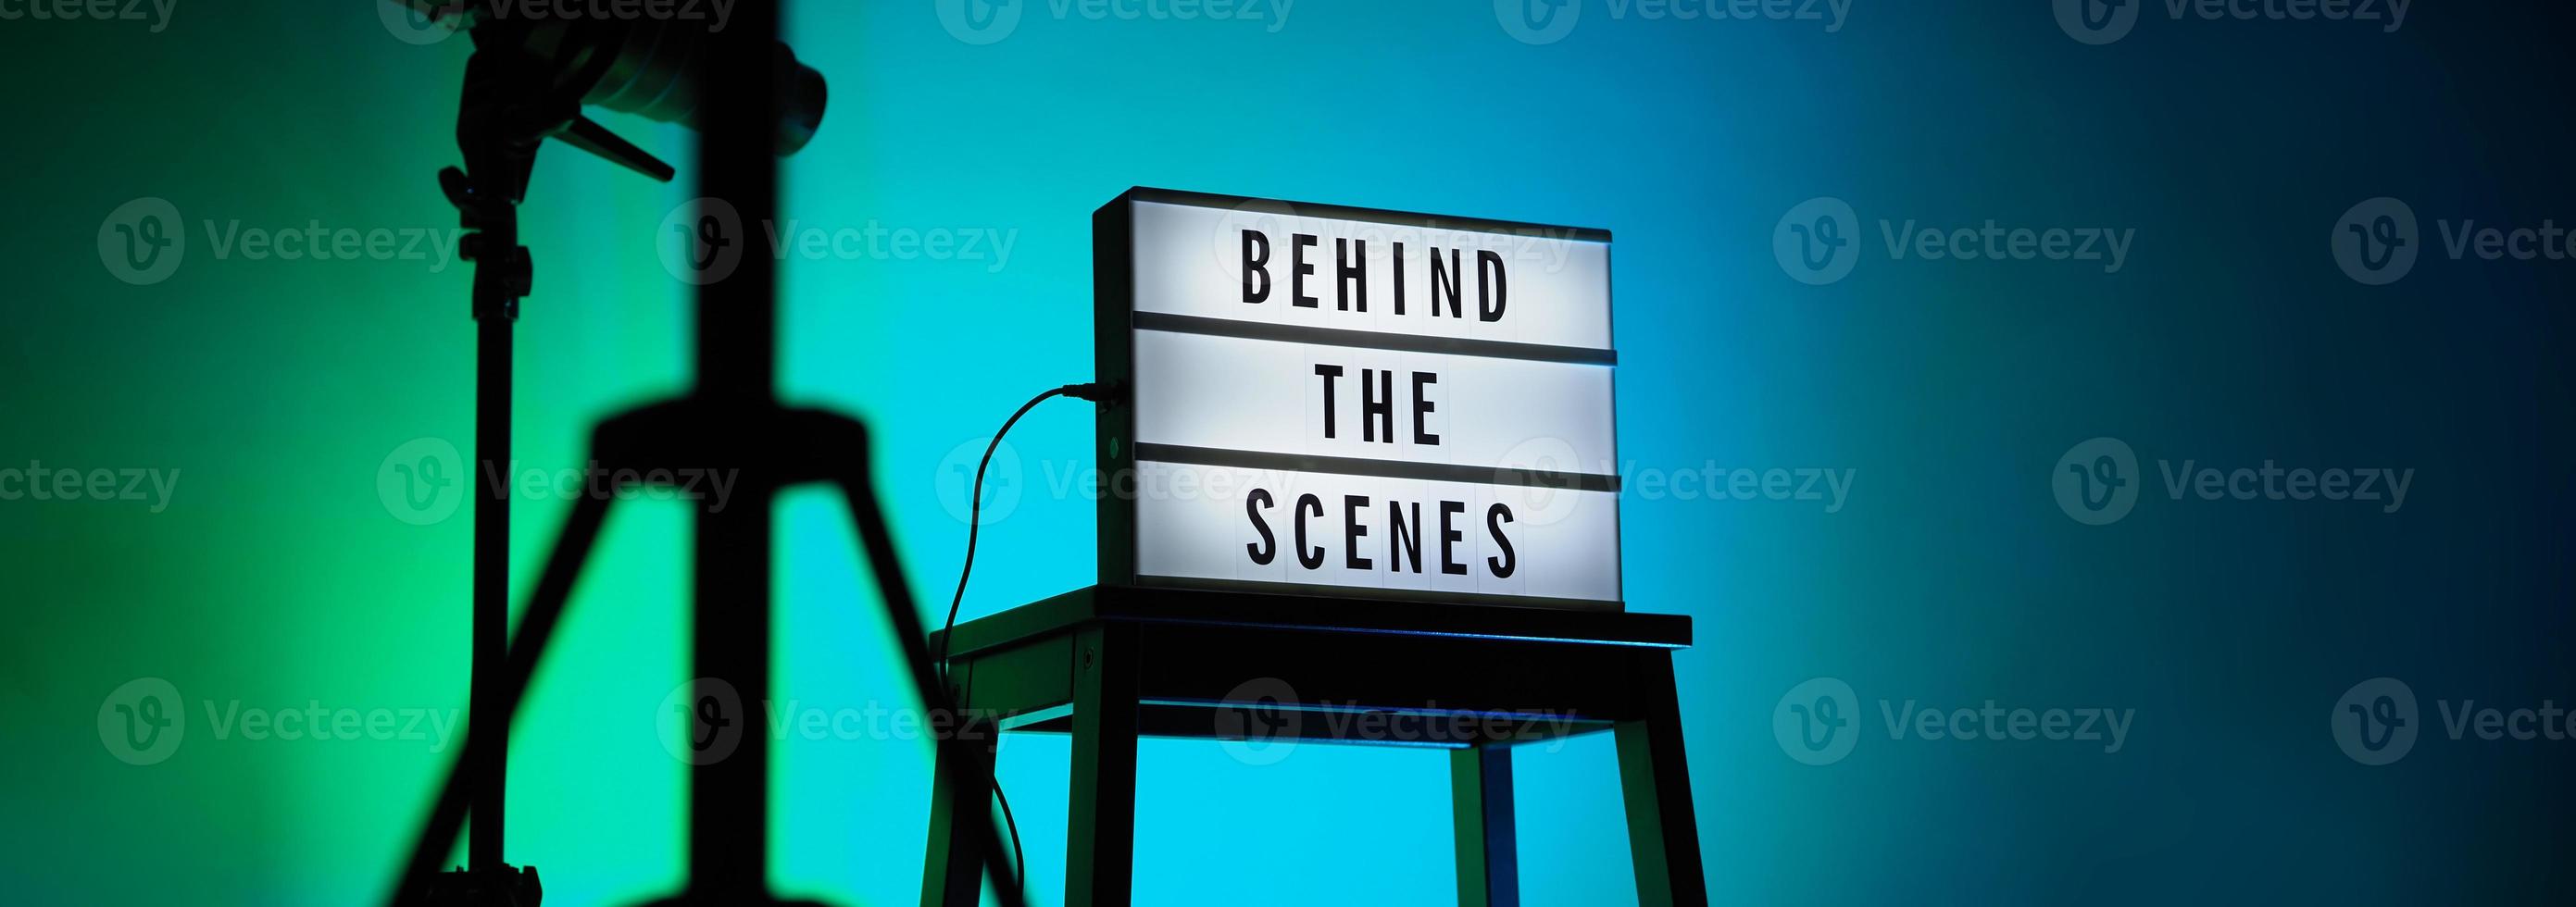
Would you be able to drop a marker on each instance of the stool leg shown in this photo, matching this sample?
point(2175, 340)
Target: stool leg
point(1663, 836)
point(961, 818)
point(1101, 842)
point(1480, 784)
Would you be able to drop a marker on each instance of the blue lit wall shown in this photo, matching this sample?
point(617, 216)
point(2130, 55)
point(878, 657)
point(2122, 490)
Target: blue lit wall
point(1947, 390)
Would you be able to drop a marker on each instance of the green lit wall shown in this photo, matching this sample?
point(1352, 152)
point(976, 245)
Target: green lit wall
point(277, 576)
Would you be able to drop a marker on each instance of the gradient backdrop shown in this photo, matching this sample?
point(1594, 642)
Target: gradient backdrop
point(274, 575)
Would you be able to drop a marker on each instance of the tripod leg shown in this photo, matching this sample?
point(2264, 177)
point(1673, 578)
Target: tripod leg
point(956, 755)
point(545, 610)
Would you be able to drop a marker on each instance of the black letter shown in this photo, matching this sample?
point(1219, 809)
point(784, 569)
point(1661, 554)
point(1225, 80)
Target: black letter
point(1489, 296)
point(1256, 269)
point(1345, 274)
point(1396, 264)
point(1297, 277)
point(1268, 549)
point(1421, 405)
point(1353, 532)
point(1448, 563)
point(1330, 372)
point(1405, 541)
point(1495, 517)
point(1449, 279)
point(1377, 404)
point(1310, 558)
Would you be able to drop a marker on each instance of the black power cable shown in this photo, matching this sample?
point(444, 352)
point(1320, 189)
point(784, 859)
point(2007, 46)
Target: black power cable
point(974, 524)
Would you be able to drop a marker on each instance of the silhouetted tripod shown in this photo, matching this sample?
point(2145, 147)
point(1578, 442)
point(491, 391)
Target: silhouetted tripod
point(732, 423)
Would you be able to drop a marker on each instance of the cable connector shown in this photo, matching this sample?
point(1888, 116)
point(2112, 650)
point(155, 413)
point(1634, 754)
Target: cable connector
point(1104, 393)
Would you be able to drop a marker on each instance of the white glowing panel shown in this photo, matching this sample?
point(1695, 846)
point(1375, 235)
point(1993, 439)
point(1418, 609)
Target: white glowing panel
point(1196, 390)
point(1209, 522)
point(1553, 289)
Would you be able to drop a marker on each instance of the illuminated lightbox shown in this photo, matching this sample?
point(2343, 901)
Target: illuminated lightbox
point(1342, 400)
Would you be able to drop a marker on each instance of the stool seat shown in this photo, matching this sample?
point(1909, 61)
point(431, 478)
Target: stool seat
point(1151, 604)
point(1110, 664)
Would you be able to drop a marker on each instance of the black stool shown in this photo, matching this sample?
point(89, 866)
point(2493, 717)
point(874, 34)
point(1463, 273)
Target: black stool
point(1110, 664)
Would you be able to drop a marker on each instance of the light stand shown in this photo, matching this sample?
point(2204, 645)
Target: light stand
point(731, 424)
point(509, 106)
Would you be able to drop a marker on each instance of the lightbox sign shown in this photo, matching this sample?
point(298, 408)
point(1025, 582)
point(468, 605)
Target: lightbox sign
point(1350, 401)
